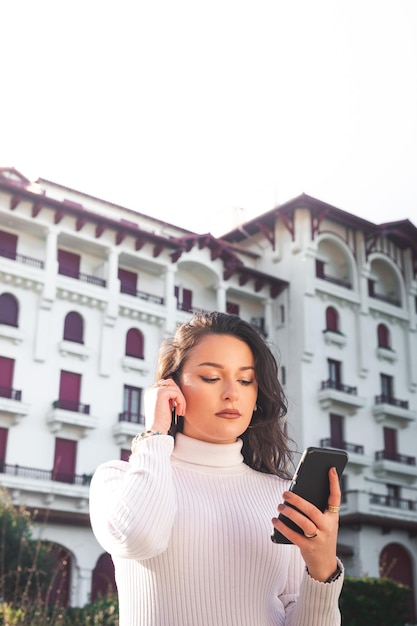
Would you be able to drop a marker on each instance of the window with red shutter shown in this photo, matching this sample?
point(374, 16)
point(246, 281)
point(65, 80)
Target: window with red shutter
point(68, 263)
point(64, 460)
point(74, 327)
point(8, 244)
point(9, 309)
point(134, 343)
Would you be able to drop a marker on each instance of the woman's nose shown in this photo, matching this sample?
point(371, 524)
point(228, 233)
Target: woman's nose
point(230, 392)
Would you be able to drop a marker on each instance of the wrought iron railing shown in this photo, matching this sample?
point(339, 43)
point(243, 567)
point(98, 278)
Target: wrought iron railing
point(21, 258)
point(12, 394)
point(142, 295)
point(386, 399)
point(71, 405)
point(132, 418)
point(334, 384)
point(386, 455)
point(33, 473)
point(353, 448)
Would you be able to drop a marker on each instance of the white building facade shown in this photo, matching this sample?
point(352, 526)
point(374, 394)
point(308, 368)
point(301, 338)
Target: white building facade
point(88, 290)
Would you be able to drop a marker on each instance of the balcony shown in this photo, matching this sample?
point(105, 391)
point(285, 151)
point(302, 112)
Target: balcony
point(142, 295)
point(129, 425)
point(32, 473)
point(394, 466)
point(86, 278)
point(38, 488)
point(357, 459)
point(20, 258)
point(391, 299)
point(336, 396)
point(361, 507)
point(71, 417)
point(388, 409)
point(12, 409)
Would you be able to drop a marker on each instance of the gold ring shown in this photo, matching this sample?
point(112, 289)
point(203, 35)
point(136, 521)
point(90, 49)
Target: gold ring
point(310, 536)
point(333, 509)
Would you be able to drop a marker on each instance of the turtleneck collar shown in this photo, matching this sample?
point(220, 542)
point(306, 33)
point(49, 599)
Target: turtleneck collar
point(208, 455)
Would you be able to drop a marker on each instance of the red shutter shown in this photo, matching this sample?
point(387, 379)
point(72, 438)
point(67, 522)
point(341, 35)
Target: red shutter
point(232, 308)
point(73, 327)
point(383, 336)
point(69, 391)
point(64, 460)
point(8, 309)
point(3, 445)
point(68, 263)
point(128, 281)
point(336, 431)
point(6, 376)
point(390, 443)
point(8, 244)
point(134, 343)
point(332, 319)
point(187, 298)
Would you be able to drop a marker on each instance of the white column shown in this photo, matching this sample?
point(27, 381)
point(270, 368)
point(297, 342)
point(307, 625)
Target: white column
point(81, 591)
point(221, 296)
point(169, 299)
point(51, 266)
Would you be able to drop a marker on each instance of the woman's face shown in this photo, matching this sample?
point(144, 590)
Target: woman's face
point(219, 386)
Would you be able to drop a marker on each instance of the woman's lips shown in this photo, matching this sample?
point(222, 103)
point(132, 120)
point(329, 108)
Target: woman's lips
point(230, 415)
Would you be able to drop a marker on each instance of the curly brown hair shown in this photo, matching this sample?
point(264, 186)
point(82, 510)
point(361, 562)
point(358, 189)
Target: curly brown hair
point(265, 443)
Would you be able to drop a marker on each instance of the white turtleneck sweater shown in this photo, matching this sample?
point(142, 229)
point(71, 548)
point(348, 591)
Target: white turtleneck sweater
point(188, 528)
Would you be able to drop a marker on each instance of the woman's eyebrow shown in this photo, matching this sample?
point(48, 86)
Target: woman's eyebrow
point(219, 366)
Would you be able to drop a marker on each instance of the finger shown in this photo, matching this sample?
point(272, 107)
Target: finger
point(335, 493)
point(306, 507)
point(305, 523)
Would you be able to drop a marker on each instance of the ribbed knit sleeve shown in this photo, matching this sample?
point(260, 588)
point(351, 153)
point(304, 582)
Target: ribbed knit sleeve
point(317, 603)
point(132, 504)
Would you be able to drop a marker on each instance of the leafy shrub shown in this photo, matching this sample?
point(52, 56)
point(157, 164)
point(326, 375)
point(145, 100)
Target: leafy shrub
point(375, 602)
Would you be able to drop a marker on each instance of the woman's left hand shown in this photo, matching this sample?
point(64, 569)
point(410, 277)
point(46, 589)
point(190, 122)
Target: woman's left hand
point(318, 544)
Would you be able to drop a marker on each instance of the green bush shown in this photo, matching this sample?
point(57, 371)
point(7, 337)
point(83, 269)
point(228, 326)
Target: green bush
point(104, 612)
point(375, 602)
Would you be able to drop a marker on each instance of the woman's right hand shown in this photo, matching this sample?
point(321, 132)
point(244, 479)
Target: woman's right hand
point(159, 401)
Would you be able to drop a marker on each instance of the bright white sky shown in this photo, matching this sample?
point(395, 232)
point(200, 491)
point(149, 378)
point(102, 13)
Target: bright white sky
point(182, 109)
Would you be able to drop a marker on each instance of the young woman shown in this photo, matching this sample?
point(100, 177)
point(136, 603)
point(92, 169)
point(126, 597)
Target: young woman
point(188, 520)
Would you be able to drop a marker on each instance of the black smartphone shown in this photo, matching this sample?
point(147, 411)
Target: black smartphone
point(311, 481)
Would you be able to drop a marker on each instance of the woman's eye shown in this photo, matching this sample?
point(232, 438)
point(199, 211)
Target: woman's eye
point(246, 383)
point(209, 380)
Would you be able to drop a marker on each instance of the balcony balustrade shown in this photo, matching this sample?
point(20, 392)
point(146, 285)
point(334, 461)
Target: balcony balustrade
point(129, 424)
point(86, 278)
point(357, 459)
point(335, 281)
point(132, 418)
point(12, 394)
point(335, 395)
point(11, 406)
point(392, 465)
point(392, 410)
point(70, 415)
point(33, 473)
point(378, 509)
point(20, 258)
point(142, 295)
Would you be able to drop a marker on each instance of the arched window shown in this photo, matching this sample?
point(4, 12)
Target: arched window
point(395, 563)
point(9, 309)
point(134, 343)
point(74, 327)
point(103, 578)
point(332, 319)
point(383, 336)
